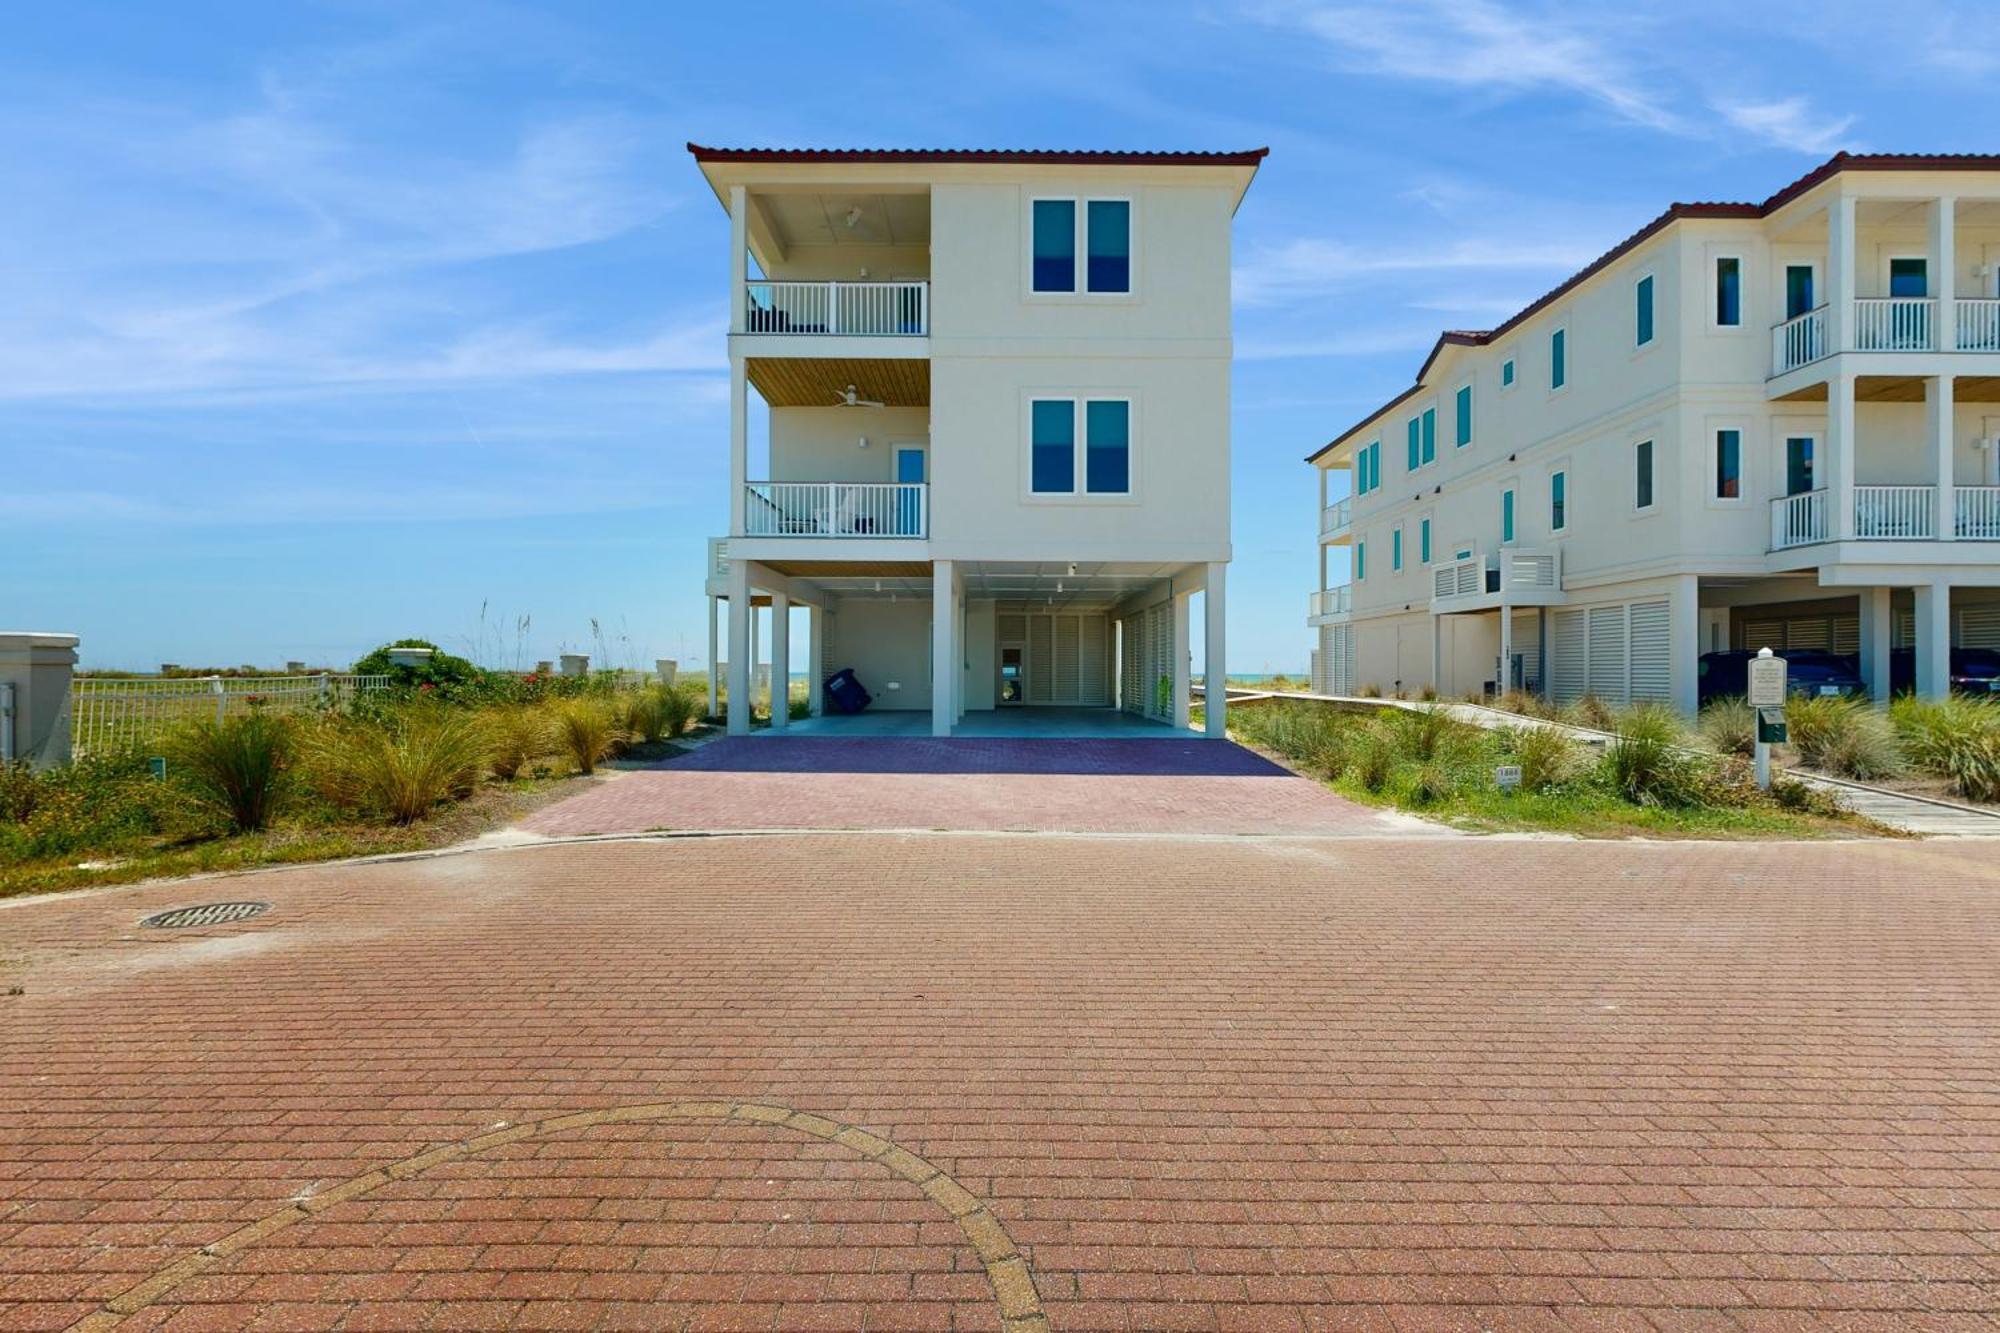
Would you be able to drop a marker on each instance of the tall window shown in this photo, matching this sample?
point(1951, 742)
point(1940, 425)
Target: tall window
point(1396, 549)
point(1101, 231)
point(1055, 245)
point(1360, 561)
point(1371, 467)
point(1799, 465)
point(1798, 290)
point(1461, 434)
point(1728, 291)
point(1729, 465)
point(1430, 420)
point(1558, 358)
point(1642, 475)
point(1091, 438)
point(1507, 373)
point(1415, 443)
point(1507, 515)
point(1424, 541)
point(1558, 501)
point(1642, 299)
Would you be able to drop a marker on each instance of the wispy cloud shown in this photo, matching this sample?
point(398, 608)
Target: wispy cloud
point(1311, 265)
point(1789, 122)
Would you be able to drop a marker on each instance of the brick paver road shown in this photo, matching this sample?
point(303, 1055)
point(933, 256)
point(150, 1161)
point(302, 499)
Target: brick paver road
point(946, 1081)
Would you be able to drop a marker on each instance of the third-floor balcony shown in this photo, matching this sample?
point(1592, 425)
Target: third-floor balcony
point(1336, 522)
point(1890, 324)
point(1888, 514)
point(843, 309)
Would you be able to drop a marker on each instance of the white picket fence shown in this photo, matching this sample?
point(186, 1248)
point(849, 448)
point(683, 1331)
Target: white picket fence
point(114, 714)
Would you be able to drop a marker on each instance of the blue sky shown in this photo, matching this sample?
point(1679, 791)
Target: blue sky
point(326, 324)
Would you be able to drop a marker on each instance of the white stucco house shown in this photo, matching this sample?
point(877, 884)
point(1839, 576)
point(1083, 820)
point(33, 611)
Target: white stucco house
point(996, 466)
point(1750, 424)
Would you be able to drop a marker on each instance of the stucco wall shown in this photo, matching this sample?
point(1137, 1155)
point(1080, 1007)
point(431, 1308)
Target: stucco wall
point(822, 443)
point(885, 641)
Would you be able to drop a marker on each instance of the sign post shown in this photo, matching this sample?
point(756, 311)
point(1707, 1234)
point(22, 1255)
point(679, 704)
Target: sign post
point(1767, 696)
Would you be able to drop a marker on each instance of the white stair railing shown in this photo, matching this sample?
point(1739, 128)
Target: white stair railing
point(1798, 520)
point(1895, 324)
point(870, 309)
point(1895, 513)
point(836, 509)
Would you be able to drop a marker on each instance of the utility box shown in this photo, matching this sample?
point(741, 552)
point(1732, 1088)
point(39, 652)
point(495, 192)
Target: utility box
point(35, 671)
point(1771, 726)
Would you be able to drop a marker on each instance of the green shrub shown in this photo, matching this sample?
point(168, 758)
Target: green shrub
point(1729, 726)
point(1424, 734)
point(1433, 782)
point(519, 734)
point(442, 672)
point(402, 765)
point(681, 707)
point(1372, 756)
point(644, 716)
point(1846, 737)
point(584, 728)
point(237, 765)
point(1643, 762)
point(99, 803)
point(1956, 738)
point(1546, 756)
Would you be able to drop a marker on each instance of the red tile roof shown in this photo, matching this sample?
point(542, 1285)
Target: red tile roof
point(1819, 175)
point(1033, 156)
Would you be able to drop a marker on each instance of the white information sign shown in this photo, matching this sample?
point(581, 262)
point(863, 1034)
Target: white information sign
point(1767, 682)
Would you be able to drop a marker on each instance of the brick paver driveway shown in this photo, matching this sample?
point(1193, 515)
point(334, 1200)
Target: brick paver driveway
point(960, 1081)
point(1154, 785)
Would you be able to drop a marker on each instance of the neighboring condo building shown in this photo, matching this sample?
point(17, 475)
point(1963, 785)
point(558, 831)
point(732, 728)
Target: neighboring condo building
point(1748, 425)
point(997, 388)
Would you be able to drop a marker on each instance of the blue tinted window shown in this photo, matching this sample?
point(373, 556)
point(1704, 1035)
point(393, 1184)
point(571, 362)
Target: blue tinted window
point(1054, 445)
point(1728, 464)
point(1430, 435)
point(1644, 299)
point(1729, 291)
point(1109, 226)
point(1055, 245)
point(1909, 277)
point(1396, 549)
point(1507, 371)
point(1642, 475)
point(1424, 541)
point(1558, 358)
point(1506, 516)
point(1559, 502)
point(1462, 431)
point(1361, 560)
point(1107, 449)
point(1416, 444)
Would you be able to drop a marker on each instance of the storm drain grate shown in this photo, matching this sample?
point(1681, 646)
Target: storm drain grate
point(208, 914)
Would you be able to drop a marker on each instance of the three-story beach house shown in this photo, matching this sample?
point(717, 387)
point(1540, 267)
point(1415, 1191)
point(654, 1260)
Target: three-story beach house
point(997, 394)
point(1757, 424)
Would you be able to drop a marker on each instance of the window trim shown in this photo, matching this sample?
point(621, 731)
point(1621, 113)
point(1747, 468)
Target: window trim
point(1510, 511)
point(1463, 422)
point(1783, 437)
point(1652, 338)
point(1081, 241)
point(1429, 453)
point(1396, 549)
point(1426, 547)
point(1360, 560)
point(1651, 444)
point(1510, 371)
point(1812, 266)
point(1079, 402)
point(1561, 472)
point(1712, 461)
point(1889, 276)
point(1715, 292)
point(1560, 333)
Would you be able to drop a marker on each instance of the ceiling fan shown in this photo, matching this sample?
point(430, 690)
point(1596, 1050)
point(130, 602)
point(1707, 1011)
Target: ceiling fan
point(851, 399)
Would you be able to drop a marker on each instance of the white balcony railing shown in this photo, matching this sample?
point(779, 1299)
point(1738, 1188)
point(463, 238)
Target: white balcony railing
point(1331, 601)
point(836, 509)
point(1977, 325)
point(1798, 341)
point(1798, 520)
point(873, 309)
point(1895, 513)
point(1336, 518)
point(1976, 512)
point(1895, 324)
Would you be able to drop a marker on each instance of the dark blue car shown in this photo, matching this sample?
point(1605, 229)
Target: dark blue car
point(1973, 670)
point(1808, 671)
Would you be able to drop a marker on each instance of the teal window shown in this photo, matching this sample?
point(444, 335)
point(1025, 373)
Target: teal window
point(1052, 447)
point(1798, 290)
point(1728, 291)
point(1642, 297)
point(1462, 422)
point(1368, 468)
point(1107, 446)
point(1799, 464)
point(1507, 373)
point(1729, 465)
point(1430, 420)
point(1507, 515)
point(1396, 550)
point(1055, 245)
point(1416, 443)
point(1108, 266)
point(1558, 501)
point(1909, 277)
point(1642, 475)
point(1558, 358)
point(1424, 541)
point(1360, 560)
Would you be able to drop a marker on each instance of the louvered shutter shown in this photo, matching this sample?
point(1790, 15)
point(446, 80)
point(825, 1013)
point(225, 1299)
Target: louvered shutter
point(1607, 653)
point(1068, 685)
point(1979, 627)
point(1041, 660)
point(1093, 659)
point(1906, 630)
point(1847, 634)
point(1568, 673)
point(1764, 634)
point(1808, 632)
point(1651, 661)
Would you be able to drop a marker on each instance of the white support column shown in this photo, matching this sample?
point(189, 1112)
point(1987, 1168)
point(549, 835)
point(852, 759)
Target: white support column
point(816, 659)
point(1944, 270)
point(739, 255)
point(781, 660)
point(1933, 640)
point(739, 647)
point(1840, 455)
point(1939, 399)
point(958, 663)
point(714, 655)
point(944, 667)
point(1875, 624)
point(1684, 644)
point(1215, 655)
point(739, 442)
point(1504, 681)
point(1437, 655)
point(756, 649)
point(1840, 272)
point(1182, 604)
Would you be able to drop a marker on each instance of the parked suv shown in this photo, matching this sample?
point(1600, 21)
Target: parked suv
point(1973, 670)
point(1808, 671)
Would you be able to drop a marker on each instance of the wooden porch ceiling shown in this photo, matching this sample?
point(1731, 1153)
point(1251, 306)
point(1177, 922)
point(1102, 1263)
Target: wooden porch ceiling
point(785, 381)
point(1905, 389)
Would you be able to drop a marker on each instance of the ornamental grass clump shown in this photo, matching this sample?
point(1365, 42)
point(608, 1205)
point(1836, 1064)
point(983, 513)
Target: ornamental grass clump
point(1547, 758)
point(1644, 762)
point(238, 766)
point(520, 734)
point(1957, 739)
point(1729, 726)
point(586, 731)
point(1846, 737)
point(403, 764)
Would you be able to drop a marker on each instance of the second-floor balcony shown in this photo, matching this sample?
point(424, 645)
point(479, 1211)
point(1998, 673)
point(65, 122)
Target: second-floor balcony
point(1336, 521)
point(847, 309)
point(1888, 514)
point(836, 509)
point(1331, 601)
point(1889, 324)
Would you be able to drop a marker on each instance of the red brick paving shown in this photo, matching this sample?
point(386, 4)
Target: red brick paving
point(1283, 1084)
